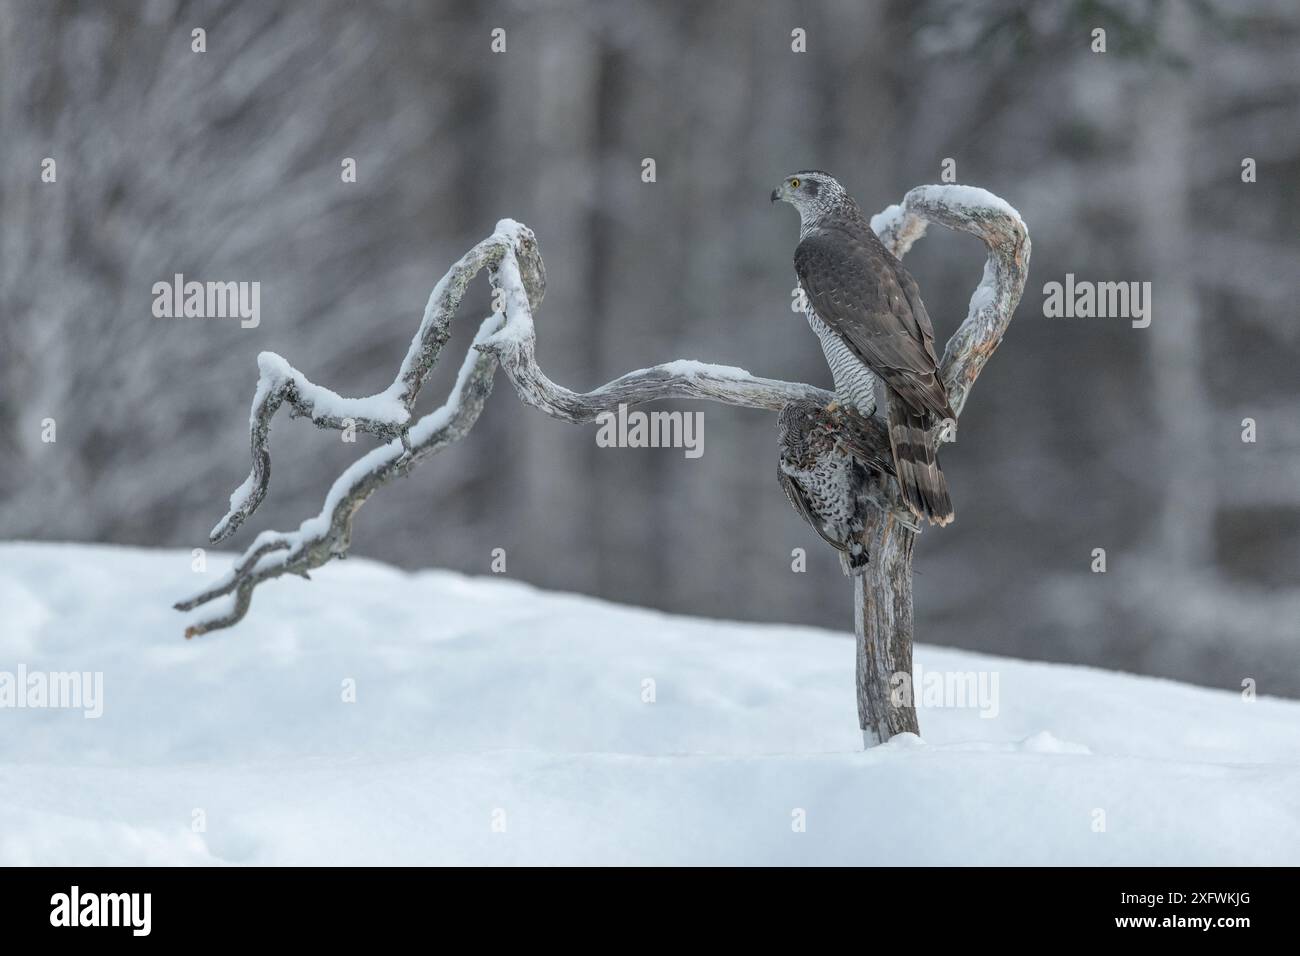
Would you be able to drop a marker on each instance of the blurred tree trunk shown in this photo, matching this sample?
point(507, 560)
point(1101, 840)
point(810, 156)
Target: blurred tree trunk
point(1182, 409)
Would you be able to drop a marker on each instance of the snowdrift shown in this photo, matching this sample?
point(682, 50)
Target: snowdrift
point(376, 716)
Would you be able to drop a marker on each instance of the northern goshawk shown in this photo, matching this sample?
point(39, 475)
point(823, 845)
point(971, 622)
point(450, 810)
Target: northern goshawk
point(867, 312)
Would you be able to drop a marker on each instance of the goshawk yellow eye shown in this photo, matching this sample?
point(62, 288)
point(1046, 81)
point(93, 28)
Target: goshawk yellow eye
point(794, 184)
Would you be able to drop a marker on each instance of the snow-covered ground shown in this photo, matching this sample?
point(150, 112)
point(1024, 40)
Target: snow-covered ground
point(495, 723)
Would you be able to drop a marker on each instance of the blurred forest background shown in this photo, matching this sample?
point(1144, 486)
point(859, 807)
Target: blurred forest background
point(1081, 433)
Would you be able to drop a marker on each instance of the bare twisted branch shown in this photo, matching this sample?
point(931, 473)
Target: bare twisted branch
point(509, 337)
point(883, 617)
point(517, 271)
point(385, 415)
point(982, 214)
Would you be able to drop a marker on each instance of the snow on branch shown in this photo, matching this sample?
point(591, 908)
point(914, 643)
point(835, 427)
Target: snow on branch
point(508, 338)
point(386, 415)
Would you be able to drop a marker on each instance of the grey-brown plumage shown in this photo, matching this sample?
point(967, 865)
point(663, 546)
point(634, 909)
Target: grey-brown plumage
point(824, 470)
point(867, 310)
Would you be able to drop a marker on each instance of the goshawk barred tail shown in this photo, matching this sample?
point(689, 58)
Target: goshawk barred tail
point(916, 461)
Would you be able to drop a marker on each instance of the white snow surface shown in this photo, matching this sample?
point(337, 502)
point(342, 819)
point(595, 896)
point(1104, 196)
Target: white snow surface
point(480, 700)
point(690, 368)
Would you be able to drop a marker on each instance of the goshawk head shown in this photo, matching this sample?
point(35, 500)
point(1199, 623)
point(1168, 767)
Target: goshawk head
point(813, 192)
